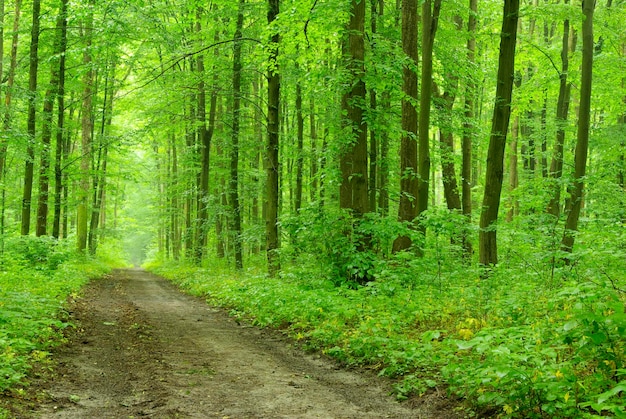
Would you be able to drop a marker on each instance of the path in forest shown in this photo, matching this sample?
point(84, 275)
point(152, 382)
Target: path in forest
point(143, 349)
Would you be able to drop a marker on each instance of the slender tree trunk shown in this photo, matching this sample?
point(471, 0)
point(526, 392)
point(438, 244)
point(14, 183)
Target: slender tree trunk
point(60, 133)
point(582, 140)
point(86, 133)
point(562, 110)
point(513, 170)
point(300, 149)
point(446, 147)
point(176, 243)
point(273, 129)
point(407, 208)
point(32, 103)
point(6, 122)
point(375, 11)
point(204, 137)
point(383, 170)
point(314, 152)
point(430, 19)
point(234, 151)
point(500, 123)
point(46, 136)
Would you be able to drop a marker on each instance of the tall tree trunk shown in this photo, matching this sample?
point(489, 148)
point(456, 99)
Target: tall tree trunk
point(44, 164)
point(376, 9)
point(32, 102)
point(407, 208)
point(6, 119)
point(446, 147)
point(353, 193)
point(469, 125)
point(86, 133)
point(383, 168)
point(273, 129)
point(582, 139)
point(99, 180)
point(60, 133)
point(300, 148)
point(430, 20)
point(204, 136)
point(234, 151)
point(562, 110)
point(314, 153)
point(513, 170)
point(176, 242)
point(488, 246)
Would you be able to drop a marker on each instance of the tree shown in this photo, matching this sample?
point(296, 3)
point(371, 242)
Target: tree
point(488, 246)
point(60, 133)
point(407, 208)
point(353, 192)
point(82, 209)
point(273, 130)
point(562, 108)
point(234, 151)
point(582, 138)
point(32, 102)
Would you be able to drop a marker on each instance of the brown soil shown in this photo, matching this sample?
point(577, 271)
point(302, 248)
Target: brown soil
point(143, 349)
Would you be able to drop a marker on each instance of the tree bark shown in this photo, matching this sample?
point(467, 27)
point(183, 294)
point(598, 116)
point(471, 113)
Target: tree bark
point(582, 139)
point(407, 208)
point(353, 193)
point(86, 133)
point(273, 129)
point(60, 133)
point(300, 148)
point(234, 151)
point(562, 110)
point(488, 247)
point(32, 102)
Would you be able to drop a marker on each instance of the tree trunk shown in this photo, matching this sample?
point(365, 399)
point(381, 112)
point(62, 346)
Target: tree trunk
point(353, 193)
point(32, 102)
point(562, 110)
point(582, 140)
point(513, 171)
point(86, 133)
point(430, 20)
point(300, 149)
point(273, 129)
point(314, 152)
point(234, 151)
point(488, 247)
point(6, 120)
point(407, 208)
point(60, 133)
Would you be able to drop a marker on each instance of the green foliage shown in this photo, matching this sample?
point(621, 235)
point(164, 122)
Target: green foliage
point(538, 339)
point(36, 278)
point(350, 250)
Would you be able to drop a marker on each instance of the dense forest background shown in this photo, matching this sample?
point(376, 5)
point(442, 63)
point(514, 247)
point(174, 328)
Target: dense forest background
point(448, 177)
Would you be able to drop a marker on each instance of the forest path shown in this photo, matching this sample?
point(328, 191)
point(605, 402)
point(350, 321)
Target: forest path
point(144, 349)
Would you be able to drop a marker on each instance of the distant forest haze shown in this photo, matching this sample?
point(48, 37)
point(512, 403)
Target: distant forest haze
point(360, 141)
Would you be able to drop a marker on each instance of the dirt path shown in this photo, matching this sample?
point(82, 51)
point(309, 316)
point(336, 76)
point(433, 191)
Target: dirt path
point(146, 350)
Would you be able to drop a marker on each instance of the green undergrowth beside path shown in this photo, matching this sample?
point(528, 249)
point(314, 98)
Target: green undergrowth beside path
point(527, 343)
point(37, 276)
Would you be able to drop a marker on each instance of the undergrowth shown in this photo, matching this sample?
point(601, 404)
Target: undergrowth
point(37, 276)
point(538, 339)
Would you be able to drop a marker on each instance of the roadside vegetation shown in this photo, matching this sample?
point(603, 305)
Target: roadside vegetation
point(540, 338)
point(37, 278)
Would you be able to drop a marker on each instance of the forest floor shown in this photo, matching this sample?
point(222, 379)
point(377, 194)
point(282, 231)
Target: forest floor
point(141, 348)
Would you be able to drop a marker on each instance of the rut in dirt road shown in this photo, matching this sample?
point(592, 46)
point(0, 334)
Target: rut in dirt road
point(146, 350)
